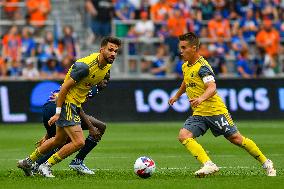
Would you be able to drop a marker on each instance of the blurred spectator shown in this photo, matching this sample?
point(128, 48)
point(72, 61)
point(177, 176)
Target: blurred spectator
point(3, 68)
point(268, 10)
point(194, 25)
point(249, 26)
point(163, 32)
point(15, 70)
point(70, 45)
point(28, 44)
point(269, 66)
point(144, 28)
point(243, 65)
point(159, 66)
point(183, 7)
point(268, 38)
point(65, 65)
point(238, 43)
point(11, 49)
point(217, 59)
point(176, 26)
point(242, 6)
point(48, 49)
point(279, 25)
point(11, 9)
point(219, 27)
point(178, 68)
point(30, 72)
point(124, 10)
point(101, 13)
point(221, 6)
point(38, 11)
point(160, 11)
point(50, 70)
point(206, 10)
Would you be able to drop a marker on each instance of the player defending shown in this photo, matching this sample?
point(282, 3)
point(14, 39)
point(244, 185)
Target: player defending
point(84, 73)
point(209, 111)
point(96, 130)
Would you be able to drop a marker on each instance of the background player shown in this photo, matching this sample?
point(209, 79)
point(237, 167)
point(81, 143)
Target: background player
point(96, 130)
point(84, 73)
point(209, 111)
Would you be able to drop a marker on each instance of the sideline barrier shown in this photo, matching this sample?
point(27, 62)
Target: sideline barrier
point(145, 100)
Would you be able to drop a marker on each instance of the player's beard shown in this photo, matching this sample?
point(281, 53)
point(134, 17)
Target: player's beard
point(109, 60)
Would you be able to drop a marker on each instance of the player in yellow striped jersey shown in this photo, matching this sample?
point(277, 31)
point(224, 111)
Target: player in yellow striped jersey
point(209, 111)
point(81, 77)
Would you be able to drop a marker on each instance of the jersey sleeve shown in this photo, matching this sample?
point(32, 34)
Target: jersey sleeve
point(206, 74)
point(79, 71)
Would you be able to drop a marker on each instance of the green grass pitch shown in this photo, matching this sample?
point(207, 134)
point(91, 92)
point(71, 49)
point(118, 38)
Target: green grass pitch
point(122, 143)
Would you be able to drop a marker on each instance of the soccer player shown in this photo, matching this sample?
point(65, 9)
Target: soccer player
point(209, 111)
point(96, 130)
point(84, 73)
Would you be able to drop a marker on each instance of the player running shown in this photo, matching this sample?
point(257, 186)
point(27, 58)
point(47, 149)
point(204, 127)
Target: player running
point(96, 130)
point(81, 77)
point(209, 111)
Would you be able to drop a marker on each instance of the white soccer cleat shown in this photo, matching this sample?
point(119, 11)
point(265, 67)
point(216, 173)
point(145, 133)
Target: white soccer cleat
point(208, 169)
point(25, 166)
point(81, 168)
point(45, 171)
point(268, 166)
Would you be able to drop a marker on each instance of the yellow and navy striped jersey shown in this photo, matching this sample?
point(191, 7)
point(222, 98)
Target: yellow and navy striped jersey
point(195, 87)
point(86, 73)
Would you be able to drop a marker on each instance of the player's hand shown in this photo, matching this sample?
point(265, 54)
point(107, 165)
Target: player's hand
point(53, 119)
point(172, 100)
point(195, 102)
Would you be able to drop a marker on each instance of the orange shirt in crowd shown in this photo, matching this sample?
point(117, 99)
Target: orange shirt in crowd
point(219, 29)
point(177, 26)
point(159, 12)
point(38, 10)
point(11, 8)
point(11, 47)
point(269, 40)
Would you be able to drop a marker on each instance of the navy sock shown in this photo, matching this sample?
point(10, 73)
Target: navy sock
point(90, 143)
point(47, 156)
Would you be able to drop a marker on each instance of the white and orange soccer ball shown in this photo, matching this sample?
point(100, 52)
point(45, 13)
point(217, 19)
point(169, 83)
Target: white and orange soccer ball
point(144, 167)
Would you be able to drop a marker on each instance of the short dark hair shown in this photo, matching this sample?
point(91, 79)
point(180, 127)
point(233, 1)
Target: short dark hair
point(110, 39)
point(191, 38)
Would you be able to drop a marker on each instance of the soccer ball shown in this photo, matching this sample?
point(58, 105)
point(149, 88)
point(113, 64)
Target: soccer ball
point(144, 167)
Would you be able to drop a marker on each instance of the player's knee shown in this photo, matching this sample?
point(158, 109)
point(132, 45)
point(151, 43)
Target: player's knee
point(79, 143)
point(236, 139)
point(102, 128)
point(184, 134)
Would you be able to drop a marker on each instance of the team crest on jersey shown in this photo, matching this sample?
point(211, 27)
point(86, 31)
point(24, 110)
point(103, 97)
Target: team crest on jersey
point(93, 76)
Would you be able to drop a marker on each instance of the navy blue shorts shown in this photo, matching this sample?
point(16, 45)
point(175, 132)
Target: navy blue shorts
point(218, 124)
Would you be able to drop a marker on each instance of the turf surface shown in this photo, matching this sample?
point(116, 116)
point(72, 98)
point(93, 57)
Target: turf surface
point(122, 143)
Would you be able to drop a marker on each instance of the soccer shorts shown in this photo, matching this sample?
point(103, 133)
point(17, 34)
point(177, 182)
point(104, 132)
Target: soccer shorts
point(218, 124)
point(69, 115)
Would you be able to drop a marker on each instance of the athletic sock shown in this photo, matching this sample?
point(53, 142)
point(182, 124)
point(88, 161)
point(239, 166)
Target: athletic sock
point(35, 155)
point(54, 159)
point(196, 150)
point(253, 150)
point(46, 156)
point(90, 143)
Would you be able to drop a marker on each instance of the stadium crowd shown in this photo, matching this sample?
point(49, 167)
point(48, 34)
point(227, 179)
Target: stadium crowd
point(248, 33)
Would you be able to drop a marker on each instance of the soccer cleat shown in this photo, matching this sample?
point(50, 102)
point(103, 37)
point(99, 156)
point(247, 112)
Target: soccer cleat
point(45, 170)
point(268, 166)
point(35, 168)
point(80, 167)
point(208, 169)
point(25, 166)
